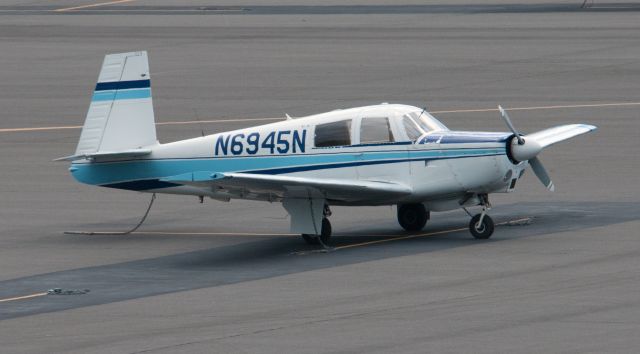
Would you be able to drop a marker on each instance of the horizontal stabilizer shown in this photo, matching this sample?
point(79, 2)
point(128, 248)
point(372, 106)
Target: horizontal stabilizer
point(106, 155)
point(554, 135)
point(287, 186)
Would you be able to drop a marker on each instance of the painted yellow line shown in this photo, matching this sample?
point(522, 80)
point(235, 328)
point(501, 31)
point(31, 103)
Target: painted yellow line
point(235, 120)
point(419, 235)
point(23, 297)
point(398, 238)
point(218, 121)
point(167, 11)
point(13, 130)
point(540, 107)
point(186, 233)
point(92, 5)
point(187, 122)
point(254, 234)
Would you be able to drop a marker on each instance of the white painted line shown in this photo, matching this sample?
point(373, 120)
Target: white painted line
point(91, 5)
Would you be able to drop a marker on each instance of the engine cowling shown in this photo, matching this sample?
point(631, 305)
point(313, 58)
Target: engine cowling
point(523, 149)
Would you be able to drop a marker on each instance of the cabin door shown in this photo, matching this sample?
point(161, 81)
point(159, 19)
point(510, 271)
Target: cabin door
point(383, 155)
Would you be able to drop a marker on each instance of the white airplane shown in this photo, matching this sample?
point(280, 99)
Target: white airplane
point(387, 154)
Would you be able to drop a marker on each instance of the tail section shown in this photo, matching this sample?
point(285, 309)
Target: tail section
point(120, 119)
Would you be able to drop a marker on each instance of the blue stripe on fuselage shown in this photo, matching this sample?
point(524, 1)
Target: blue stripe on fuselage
point(120, 174)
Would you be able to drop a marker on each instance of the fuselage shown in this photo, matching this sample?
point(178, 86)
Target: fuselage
point(388, 142)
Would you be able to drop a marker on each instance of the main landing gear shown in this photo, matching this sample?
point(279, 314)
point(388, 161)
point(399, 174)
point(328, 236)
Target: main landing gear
point(412, 217)
point(325, 233)
point(481, 225)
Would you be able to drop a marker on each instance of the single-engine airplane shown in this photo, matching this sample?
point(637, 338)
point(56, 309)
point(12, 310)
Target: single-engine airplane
point(387, 154)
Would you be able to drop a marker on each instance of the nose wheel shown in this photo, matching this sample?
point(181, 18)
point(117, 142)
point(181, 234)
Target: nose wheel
point(481, 225)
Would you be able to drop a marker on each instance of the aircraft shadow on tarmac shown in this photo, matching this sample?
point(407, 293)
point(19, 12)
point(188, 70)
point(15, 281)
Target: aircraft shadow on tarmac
point(268, 258)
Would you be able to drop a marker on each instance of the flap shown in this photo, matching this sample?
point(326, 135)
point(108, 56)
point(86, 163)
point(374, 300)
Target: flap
point(288, 186)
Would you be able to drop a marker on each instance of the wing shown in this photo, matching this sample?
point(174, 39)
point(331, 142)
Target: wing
point(554, 135)
point(294, 187)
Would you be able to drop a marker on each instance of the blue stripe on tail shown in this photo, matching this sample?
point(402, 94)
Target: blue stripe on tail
point(122, 85)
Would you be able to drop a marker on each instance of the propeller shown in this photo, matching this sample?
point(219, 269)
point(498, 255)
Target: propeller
point(541, 173)
point(523, 149)
point(507, 120)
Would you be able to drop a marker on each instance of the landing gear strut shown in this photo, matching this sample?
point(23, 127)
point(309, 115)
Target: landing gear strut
point(325, 233)
point(481, 225)
point(412, 217)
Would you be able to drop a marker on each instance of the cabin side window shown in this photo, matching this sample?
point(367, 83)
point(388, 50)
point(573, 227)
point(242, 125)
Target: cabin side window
point(426, 121)
point(413, 133)
point(375, 130)
point(333, 134)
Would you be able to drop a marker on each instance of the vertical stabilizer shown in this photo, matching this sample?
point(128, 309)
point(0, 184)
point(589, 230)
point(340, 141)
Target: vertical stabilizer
point(120, 116)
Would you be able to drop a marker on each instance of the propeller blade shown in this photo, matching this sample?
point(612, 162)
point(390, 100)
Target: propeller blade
point(507, 120)
point(541, 173)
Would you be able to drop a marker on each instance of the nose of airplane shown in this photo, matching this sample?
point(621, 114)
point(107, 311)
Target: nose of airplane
point(525, 149)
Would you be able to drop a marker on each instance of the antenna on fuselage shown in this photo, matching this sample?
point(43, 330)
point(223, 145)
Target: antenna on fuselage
point(198, 120)
point(424, 109)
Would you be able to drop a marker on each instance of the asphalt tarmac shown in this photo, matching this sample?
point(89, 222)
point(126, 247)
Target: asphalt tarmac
point(560, 274)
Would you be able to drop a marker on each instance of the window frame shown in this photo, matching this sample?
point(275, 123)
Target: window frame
point(429, 122)
point(415, 125)
point(392, 128)
point(350, 126)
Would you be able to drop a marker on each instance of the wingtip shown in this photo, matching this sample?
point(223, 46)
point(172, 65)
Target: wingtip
point(588, 126)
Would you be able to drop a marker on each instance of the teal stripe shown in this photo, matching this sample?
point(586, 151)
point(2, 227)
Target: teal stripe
point(103, 96)
point(104, 173)
point(112, 95)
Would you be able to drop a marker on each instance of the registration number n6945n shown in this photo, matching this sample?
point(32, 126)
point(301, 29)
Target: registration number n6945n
point(276, 142)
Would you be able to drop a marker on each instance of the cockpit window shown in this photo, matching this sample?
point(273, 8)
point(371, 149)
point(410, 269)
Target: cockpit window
point(375, 130)
point(333, 134)
point(426, 121)
point(413, 132)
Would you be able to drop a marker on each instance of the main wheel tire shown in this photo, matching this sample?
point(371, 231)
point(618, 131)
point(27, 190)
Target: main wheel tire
point(412, 217)
point(325, 234)
point(310, 239)
point(485, 230)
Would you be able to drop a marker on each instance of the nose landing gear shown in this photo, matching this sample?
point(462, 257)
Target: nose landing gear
point(481, 225)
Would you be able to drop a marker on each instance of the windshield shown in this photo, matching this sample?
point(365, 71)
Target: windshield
point(426, 121)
